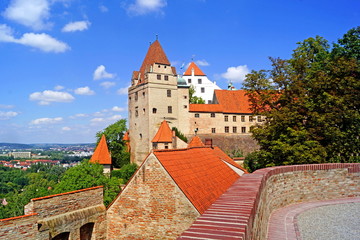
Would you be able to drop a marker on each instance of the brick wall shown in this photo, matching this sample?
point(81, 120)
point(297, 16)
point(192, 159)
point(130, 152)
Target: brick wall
point(150, 207)
point(60, 213)
point(22, 227)
point(255, 196)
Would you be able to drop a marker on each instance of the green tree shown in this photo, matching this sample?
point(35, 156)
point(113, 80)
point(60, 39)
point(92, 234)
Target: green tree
point(194, 99)
point(114, 134)
point(311, 103)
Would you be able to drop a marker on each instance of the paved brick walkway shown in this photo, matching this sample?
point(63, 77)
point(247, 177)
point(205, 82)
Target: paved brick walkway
point(283, 223)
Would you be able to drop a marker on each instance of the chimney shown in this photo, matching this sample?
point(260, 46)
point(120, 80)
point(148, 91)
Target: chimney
point(208, 142)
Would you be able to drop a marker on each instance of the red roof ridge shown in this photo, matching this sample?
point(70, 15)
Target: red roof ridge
point(197, 70)
point(101, 154)
point(17, 217)
point(164, 133)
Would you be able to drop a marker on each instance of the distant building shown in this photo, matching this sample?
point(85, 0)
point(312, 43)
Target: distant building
point(204, 88)
point(102, 155)
point(21, 154)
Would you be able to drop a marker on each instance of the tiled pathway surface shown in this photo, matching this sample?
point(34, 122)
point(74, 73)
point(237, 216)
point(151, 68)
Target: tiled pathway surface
point(283, 223)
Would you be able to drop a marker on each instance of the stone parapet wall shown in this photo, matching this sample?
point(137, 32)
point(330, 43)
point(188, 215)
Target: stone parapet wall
point(248, 204)
point(21, 227)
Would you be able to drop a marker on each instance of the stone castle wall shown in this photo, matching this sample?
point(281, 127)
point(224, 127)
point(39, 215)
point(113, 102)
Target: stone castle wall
point(150, 207)
point(255, 196)
point(78, 214)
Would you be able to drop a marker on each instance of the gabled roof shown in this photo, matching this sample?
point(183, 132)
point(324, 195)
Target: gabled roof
point(197, 70)
point(126, 136)
point(199, 173)
point(229, 101)
point(235, 101)
point(196, 142)
point(164, 134)
point(101, 154)
point(155, 54)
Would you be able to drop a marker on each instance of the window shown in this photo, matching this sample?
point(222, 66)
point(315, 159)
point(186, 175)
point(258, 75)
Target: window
point(202, 90)
point(243, 129)
point(166, 146)
point(251, 118)
point(129, 98)
point(213, 130)
point(140, 135)
point(158, 66)
point(158, 77)
point(154, 110)
point(166, 78)
point(212, 114)
point(136, 113)
point(199, 81)
point(169, 109)
point(143, 94)
point(185, 106)
point(226, 129)
point(209, 101)
point(189, 80)
point(234, 129)
point(226, 118)
point(259, 118)
point(197, 115)
point(136, 96)
point(143, 110)
point(185, 97)
point(234, 118)
point(169, 93)
point(243, 118)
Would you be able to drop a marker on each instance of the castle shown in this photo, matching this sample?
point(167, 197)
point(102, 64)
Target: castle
point(158, 93)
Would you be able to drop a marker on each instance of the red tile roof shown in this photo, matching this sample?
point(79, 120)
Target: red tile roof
point(197, 70)
point(229, 101)
point(126, 136)
point(233, 101)
point(101, 154)
point(205, 108)
point(199, 173)
point(155, 54)
point(196, 142)
point(164, 134)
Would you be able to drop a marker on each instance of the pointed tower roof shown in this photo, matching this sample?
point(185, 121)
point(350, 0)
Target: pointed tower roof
point(197, 70)
point(155, 54)
point(101, 154)
point(196, 142)
point(164, 134)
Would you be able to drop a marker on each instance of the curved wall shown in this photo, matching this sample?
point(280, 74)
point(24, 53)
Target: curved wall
point(243, 211)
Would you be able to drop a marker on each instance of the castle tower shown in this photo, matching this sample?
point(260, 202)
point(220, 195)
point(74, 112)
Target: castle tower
point(154, 96)
point(102, 155)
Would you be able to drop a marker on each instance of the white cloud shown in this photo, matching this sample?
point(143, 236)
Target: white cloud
point(202, 63)
point(236, 74)
point(41, 41)
point(117, 109)
point(58, 87)
point(96, 120)
point(84, 91)
point(115, 118)
point(101, 73)
point(48, 96)
point(7, 115)
point(46, 121)
point(107, 84)
point(123, 91)
point(4, 106)
point(32, 13)
point(66, 129)
point(141, 7)
point(76, 26)
point(103, 8)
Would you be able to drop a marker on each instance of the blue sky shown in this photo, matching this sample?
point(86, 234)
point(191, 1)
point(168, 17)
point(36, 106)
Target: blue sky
point(65, 64)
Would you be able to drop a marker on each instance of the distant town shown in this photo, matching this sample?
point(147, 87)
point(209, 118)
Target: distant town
point(22, 156)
